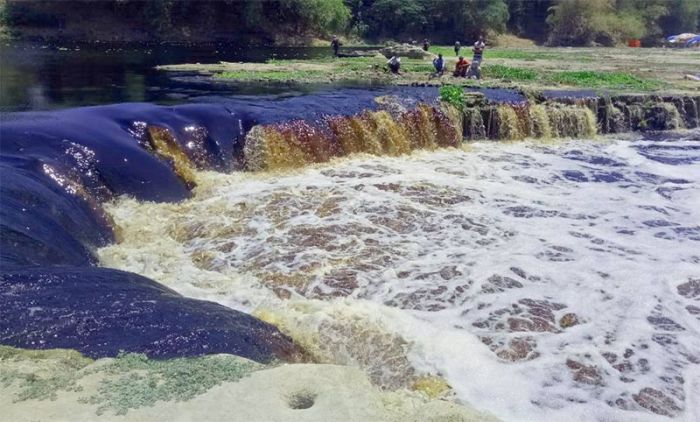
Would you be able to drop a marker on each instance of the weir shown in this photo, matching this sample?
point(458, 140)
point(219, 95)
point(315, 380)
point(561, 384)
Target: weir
point(77, 159)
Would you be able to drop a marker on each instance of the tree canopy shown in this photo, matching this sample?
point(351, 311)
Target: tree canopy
point(558, 22)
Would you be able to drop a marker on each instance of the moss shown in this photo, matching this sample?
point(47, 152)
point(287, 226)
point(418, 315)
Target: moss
point(431, 385)
point(136, 381)
point(128, 382)
point(52, 371)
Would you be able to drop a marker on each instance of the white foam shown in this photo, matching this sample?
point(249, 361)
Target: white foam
point(458, 242)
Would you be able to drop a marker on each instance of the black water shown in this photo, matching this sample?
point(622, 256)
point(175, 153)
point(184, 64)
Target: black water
point(59, 163)
point(42, 77)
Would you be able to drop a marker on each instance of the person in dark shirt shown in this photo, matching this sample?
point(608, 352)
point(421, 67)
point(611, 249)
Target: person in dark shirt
point(426, 44)
point(394, 65)
point(439, 64)
point(335, 43)
point(458, 47)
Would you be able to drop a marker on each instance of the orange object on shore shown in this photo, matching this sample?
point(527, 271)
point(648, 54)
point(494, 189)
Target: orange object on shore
point(634, 43)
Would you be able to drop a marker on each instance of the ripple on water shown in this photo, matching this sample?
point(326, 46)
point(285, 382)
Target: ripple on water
point(537, 296)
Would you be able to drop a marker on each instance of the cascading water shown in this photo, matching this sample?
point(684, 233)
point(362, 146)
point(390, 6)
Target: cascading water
point(540, 281)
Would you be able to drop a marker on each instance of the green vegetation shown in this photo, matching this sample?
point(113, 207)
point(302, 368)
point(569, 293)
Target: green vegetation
point(610, 22)
point(128, 382)
point(59, 374)
point(500, 71)
point(419, 71)
point(138, 381)
point(560, 22)
point(271, 76)
point(608, 80)
point(453, 95)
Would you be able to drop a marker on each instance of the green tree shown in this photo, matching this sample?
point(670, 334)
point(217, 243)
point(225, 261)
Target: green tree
point(606, 22)
point(528, 18)
point(683, 16)
point(395, 18)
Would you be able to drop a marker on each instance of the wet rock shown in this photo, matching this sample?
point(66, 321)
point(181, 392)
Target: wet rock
point(526, 315)
point(497, 283)
point(657, 402)
point(664, 323)
point(514, 350)
point(391, 104)
point(406, 50)
point(690, 289)
point(568, 320)
point(585, 374)
point(102, 312)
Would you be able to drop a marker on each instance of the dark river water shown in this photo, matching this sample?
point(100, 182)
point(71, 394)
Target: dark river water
point(42, 76)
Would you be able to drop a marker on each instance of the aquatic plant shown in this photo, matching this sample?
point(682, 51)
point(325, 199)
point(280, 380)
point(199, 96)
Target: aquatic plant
point(454, 95)
point(52, 371)
point(135, 381)
point(128, 382)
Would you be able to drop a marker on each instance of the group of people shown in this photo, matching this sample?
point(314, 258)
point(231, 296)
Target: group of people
point(463, 68)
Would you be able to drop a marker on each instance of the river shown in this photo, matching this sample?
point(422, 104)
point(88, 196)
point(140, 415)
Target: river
point(543, 280)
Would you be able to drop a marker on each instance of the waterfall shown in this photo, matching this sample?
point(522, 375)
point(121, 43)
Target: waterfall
point(298, 143)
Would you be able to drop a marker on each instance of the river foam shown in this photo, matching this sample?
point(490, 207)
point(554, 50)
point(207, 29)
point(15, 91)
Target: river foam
point(543, 281)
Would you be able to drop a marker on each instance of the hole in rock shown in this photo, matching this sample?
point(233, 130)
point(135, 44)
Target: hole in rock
point(302, 400)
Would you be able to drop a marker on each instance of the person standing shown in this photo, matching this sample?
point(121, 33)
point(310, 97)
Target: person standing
point(426, 44)
point(335, 44)
point(458, 47)
point(478, 50)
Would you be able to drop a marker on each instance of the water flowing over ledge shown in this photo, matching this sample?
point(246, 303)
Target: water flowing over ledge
point(76, 160)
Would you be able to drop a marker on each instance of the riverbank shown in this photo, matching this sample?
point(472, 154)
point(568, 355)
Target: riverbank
point(62, 385)
point(626, 70)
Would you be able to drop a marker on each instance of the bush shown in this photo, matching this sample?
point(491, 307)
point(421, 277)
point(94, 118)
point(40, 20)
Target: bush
point(584, 22)
point(453, 95)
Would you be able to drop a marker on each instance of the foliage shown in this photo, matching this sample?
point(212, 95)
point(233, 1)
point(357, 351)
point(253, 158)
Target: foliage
point(511, 73)
point(611, 22)
point(453, 95)
point(561, 22)
point(609, 80)
point(527, 18)
point(127, 382)
point(138, 381)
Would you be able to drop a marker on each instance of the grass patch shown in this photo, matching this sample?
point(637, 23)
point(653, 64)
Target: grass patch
point(609, 80)
point(273, 75)
point(500, 71)
point(496, 53)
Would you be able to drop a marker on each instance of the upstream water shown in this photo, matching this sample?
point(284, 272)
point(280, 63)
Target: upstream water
point(544, 281)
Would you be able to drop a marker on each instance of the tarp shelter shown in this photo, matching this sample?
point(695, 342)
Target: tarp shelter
point(681, 38)
point(693, 41)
